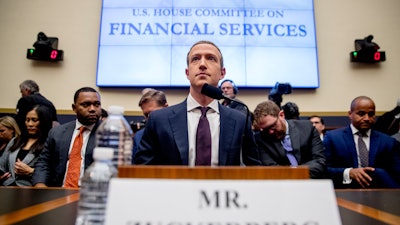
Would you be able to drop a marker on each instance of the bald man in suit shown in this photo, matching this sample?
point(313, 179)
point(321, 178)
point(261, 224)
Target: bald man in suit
point(345, 166)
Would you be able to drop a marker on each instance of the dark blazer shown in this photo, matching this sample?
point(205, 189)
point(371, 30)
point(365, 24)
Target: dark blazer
point(306, 144)
point(341, 153)
point(136, 140)
point(165, 138)
point(51, 166)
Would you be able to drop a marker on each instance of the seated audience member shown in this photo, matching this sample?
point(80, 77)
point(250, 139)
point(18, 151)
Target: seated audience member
point(150, 101)
point(230, 90)
point(20, 157)
point(58, 161)
point(389, 122)
point(104, 114)
point(30, 97)
point(222, 135)
point(319, 124)
point(288, 142)
point(360, 157)
point(291, 111)
point(8, 130)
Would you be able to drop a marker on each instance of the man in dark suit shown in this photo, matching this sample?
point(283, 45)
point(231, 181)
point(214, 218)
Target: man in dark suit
point(30, 97)
point(347, 166)
point(150, 101)
point(170, 134)
point(287, 142)
point(52, 166)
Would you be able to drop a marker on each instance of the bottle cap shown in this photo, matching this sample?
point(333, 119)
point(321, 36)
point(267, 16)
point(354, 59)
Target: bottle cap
point(114, 109)
point(102, 153)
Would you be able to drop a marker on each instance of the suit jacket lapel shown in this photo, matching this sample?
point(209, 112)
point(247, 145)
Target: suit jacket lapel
point(295, 140)
point(373, 148)
point(28, 158)
point(12, 159)
point(225, 139)
point(66, 140)
point(348, 138)
point(178, 121)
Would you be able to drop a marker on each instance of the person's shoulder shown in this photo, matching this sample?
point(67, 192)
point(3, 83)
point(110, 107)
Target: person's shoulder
point(300, 122)
point(337, 131)
point(234, 113)
point(163, 112)
point(63, 126)
point(303, 124)
point(39, 98)
point(381, 135)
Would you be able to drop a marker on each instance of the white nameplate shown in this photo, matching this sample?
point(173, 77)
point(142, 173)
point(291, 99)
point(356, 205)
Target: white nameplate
point(221, 202)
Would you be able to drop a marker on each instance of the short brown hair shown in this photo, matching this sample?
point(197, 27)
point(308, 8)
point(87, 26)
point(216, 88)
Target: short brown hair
point(150, 94)
point(264, 109)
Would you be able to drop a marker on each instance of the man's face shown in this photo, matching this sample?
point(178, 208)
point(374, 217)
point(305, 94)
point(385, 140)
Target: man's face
point(363, 115)
point(25, 92)
point(204, 66)
point(149, 107)
point(227, 88)
point(87, 107)
point(316, 121)
point(273, 126)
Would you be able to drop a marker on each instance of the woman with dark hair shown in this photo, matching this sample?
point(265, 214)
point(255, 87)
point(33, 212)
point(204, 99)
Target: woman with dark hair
point(20, 156)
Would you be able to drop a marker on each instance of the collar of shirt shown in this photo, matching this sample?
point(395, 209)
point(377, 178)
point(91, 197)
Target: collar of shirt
point(193, 104)
point(78, 125)
point(354, 130)
point(287, 127)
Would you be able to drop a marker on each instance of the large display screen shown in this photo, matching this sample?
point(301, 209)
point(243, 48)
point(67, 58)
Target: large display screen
point(144, 43)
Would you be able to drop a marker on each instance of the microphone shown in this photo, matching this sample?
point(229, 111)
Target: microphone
point(216, 93)
point(212, 92)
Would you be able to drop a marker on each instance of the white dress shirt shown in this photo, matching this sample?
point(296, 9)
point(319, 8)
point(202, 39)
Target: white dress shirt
point(193, 115)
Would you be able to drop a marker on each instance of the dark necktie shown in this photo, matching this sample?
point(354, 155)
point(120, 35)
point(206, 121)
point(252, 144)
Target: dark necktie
point(75, 160)
point(203, 139)
point(287, 145)
point(362, 150)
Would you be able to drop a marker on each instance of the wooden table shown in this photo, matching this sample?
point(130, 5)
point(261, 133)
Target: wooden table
point(31, 206)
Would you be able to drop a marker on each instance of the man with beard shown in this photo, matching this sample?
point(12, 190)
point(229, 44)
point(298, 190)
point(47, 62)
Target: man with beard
point(53, 167)
point(360, 157)
point(284, 142)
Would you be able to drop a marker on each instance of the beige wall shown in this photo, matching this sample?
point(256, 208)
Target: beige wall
point(76, 24)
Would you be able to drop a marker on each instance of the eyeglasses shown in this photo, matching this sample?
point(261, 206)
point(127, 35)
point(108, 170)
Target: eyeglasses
point(272, 126)
point(228, 88)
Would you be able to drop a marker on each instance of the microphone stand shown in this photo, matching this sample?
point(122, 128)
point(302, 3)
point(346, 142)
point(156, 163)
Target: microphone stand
point(245, 127)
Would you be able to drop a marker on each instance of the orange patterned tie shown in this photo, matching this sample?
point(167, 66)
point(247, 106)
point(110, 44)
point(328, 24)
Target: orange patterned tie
point(75, 160)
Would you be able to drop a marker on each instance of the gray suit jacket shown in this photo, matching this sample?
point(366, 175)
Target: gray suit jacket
point(7, 164)
point(307, 148)
point(51, 166)
point(165, 138)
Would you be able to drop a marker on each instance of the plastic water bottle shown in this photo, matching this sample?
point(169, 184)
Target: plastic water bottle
point(94, 188)
point(115, 132)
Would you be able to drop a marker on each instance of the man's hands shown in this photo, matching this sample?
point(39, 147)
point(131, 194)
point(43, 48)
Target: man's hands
point(361, 176)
